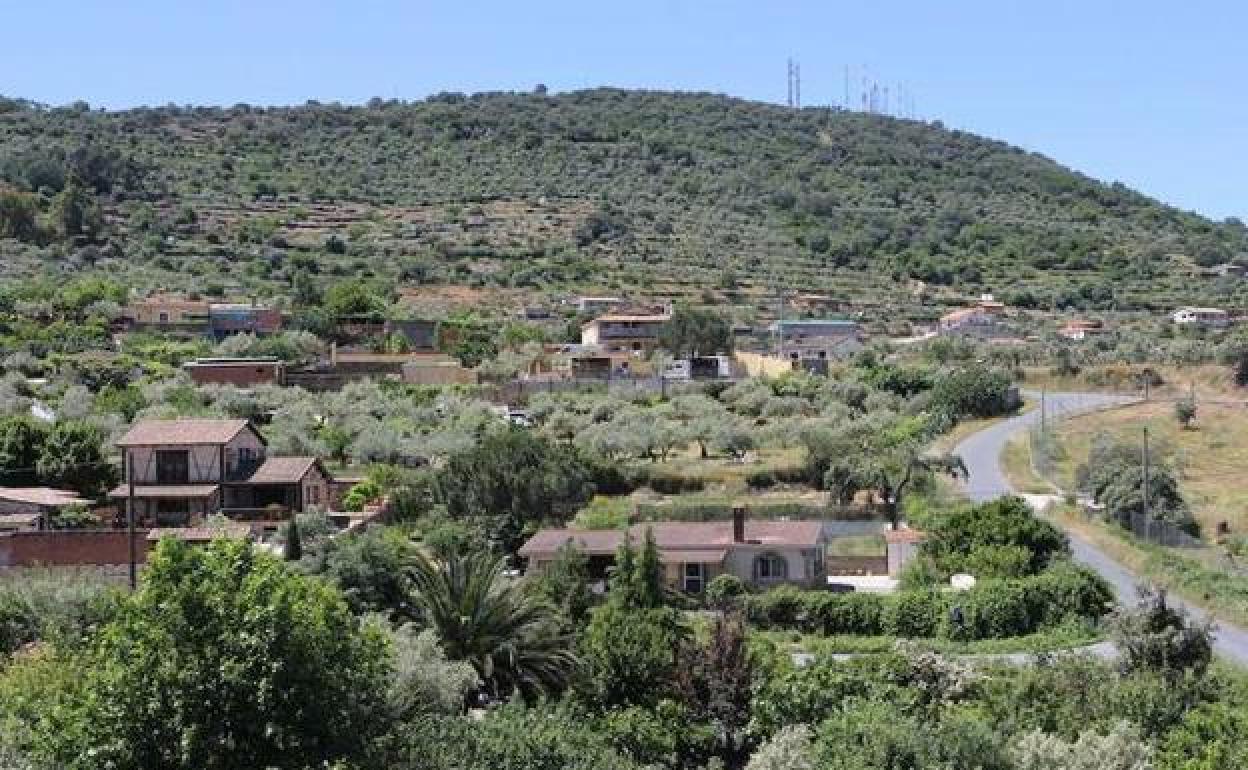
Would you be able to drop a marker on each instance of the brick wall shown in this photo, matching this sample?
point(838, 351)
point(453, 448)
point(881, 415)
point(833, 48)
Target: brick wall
point(85, 547)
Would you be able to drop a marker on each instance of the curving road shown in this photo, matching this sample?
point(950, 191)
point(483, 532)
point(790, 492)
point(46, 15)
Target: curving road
point(982, 454)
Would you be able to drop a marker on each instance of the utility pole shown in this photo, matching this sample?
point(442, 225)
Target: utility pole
point(134, 578)
point(1043, 412)
point(1148, 508)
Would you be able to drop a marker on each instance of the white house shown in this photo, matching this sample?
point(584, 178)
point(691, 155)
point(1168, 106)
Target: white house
point(1210, 317)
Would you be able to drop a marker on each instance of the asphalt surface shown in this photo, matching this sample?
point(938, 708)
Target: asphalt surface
point(982, 454)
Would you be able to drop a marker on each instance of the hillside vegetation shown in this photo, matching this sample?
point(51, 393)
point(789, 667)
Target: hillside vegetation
point(643, 192)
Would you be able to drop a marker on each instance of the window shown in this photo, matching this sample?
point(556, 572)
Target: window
point(172, 467)
point(164, 318)
point(695, 578)
point(770, 566)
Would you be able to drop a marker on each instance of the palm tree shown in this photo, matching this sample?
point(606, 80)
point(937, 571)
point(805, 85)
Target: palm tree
point(512, 639)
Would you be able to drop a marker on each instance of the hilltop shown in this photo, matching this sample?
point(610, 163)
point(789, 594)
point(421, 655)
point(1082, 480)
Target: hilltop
point(667, 194)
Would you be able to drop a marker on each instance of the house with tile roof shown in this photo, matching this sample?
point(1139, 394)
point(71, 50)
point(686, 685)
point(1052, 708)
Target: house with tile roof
point(761, 553)
point(178, 472)
point(631, 332)
point(30, 508)
point(811, 343)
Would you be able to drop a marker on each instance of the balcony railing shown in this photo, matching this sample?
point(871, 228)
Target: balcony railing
point(272, 513)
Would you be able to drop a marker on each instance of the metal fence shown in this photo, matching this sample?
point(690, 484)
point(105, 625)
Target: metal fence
point(1045, 451)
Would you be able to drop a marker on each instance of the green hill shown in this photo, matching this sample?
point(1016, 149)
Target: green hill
point(646, 192)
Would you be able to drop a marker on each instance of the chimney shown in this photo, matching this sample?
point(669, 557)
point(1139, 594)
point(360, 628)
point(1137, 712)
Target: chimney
point(738, 523)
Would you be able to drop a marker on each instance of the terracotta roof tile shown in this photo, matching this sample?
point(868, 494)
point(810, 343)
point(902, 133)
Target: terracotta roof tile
point(905, 536)
point(683, 536)
point(174, 491)
point(282, 470)
point(41, 496)
point(186, 431)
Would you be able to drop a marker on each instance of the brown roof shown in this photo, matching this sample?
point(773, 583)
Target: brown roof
point(966, 312)
point(45, 496)
point(682, 536)
point(200, 534)
point(19, 519)
point(626, 318)
point(282, 470)
point(172, 491)
point(905, 536)
point(185, 431)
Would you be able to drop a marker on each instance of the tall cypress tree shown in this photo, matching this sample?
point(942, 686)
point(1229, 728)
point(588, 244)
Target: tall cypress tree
point(648, 576)
point(294, 543)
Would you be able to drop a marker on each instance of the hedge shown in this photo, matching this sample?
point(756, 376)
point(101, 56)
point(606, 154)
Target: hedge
point(721, 510)
point(993, 609)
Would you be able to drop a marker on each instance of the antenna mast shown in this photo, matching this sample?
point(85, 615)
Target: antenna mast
point(789, 82)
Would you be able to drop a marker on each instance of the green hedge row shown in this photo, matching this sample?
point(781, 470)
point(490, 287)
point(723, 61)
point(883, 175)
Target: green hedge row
point(717, 510)
point(993, 609)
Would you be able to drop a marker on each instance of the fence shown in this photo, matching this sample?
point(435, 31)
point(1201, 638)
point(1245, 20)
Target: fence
point(1046, 451)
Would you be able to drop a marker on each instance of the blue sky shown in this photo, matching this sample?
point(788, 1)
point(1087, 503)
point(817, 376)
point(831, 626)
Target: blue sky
point(1148, 93)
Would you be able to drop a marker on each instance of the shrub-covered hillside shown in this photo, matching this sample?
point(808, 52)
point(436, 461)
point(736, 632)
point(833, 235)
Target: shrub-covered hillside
point(644, 191)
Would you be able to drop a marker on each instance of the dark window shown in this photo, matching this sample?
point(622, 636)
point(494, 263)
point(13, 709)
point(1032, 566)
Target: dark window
point(695, 577)
point(770, 566)
point(172, 467)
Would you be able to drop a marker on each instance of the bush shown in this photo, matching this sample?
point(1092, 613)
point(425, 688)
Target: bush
point(993, 609)
point(916, 614)
point(673, 484)
point(760, 479)
point(724, 589)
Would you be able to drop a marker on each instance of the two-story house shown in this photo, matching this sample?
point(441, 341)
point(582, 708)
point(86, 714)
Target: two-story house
point(176, 472)
point(625, 332)
point(811, 343)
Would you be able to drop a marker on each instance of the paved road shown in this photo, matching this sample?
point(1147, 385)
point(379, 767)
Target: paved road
point(982, 454)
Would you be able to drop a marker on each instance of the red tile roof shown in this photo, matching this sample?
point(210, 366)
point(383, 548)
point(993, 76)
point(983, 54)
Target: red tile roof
point(185, 431)
point(905, 536)
point(171, 491)
point(20, 519)
point(45, 496)
point(282, 470)
point(682, 536)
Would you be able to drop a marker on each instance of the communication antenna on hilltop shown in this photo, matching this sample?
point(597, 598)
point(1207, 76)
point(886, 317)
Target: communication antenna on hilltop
point(789, 82)
point(797, 85)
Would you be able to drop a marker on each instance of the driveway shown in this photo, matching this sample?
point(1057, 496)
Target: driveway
point(982, 454)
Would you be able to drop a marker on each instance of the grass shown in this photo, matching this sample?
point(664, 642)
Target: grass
point(1199, 580)
point(1210, 458)
point(1207, 458)
point(1060, 638)
point(1208, 381)
point(1016, 462)
point(688, 463)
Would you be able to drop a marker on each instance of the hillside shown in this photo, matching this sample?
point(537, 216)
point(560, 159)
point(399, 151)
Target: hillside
point(640, 192)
